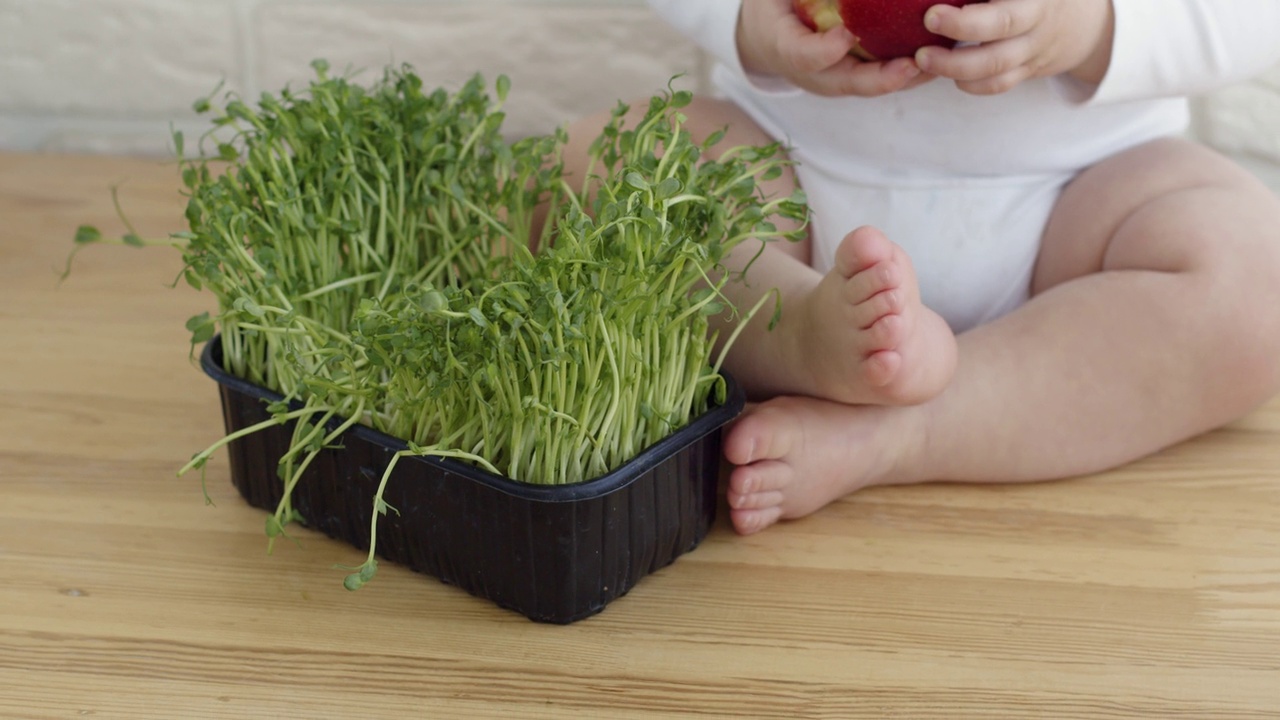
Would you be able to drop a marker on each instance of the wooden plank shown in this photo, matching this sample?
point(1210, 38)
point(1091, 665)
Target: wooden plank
point(1149, 591)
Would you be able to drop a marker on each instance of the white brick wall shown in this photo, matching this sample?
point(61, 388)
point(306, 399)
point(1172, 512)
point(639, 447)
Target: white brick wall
point(111, 75)
point(564, 59)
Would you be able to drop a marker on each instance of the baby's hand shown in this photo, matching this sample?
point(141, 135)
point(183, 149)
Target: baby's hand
point(773, 41)
point(1019, 40)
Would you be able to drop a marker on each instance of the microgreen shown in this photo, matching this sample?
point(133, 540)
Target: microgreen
point(370, 251)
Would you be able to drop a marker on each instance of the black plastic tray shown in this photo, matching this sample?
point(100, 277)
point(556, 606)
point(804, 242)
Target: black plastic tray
point(552, 553)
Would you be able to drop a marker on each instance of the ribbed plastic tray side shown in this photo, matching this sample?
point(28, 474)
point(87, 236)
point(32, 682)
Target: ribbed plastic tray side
point(554, 558)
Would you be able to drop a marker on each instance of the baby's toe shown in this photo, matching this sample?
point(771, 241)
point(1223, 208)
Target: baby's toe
point(747, 522)
point(755, 501)
point(765, 433)
point(886, 333)
point(871, 282)
point(888, 302)
point(881, 368)
point(760, 477)
point(863, 248)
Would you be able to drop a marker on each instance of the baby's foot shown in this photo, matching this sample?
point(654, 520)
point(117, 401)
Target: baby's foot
point(794, 455)
point(866, 336)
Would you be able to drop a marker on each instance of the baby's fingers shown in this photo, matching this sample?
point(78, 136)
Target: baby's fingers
point(983, 22)
point(866, 79)
point(983, 69)
point(805, 51)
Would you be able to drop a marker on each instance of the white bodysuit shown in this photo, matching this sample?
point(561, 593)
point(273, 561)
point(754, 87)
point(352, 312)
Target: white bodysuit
point(965, 184)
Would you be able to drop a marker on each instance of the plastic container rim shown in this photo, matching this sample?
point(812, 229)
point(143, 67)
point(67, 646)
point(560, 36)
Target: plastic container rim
point(650, 457)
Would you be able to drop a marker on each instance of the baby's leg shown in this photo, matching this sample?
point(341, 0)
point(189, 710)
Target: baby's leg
point(858, 335)
point(1155, 317)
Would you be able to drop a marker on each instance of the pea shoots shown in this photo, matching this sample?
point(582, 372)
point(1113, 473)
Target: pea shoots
point(370, 249)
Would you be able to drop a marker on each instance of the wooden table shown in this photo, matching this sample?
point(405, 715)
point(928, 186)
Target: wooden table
point(1149, 591)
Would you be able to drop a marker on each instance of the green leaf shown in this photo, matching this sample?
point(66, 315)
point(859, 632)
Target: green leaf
point(668, 188)
point(132, 240)
point(204, 334)
point(637, 181)
point(237, 109)
point(202, 328)
point(433, 301)
point(248, 306)
point(197, 321)
point(86, 234)
point(274, 527)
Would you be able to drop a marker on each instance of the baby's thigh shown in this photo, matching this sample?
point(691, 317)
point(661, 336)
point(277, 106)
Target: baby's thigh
point(706, 116)
point(1164, 205)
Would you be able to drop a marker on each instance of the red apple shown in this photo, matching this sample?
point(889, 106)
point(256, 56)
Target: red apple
point(886, 29)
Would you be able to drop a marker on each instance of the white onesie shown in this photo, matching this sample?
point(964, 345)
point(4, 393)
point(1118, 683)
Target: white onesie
point(965, 184)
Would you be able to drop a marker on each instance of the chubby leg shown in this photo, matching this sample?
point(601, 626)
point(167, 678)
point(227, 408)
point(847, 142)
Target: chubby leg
point(1155, 317)
point(858, 335)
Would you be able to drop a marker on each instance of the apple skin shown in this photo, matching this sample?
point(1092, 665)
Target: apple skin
point(886, 29)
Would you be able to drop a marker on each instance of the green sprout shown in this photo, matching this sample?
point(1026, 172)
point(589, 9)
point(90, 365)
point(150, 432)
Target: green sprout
point(371, 252)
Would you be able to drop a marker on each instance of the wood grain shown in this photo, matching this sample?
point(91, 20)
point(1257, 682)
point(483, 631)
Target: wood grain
point(1150, 591)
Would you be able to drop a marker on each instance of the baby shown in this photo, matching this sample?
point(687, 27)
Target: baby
point(1016, 269)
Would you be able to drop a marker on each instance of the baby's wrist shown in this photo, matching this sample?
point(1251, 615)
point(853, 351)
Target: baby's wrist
point(1095, 65)
point(747, 56)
